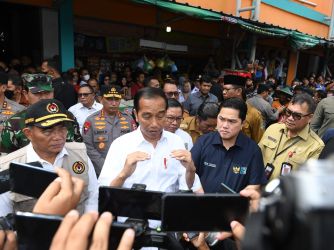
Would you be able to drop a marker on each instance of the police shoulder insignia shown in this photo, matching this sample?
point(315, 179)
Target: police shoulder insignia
point(52, 108)
point(78, 167)
point(86, 127)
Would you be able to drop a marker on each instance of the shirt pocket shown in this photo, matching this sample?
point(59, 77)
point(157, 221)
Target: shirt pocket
point(269, 145)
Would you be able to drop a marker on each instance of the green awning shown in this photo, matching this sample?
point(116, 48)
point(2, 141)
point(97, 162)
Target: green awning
point(297, 40)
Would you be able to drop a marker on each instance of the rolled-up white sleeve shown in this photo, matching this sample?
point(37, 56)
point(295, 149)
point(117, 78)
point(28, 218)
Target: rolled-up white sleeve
point(93, 189)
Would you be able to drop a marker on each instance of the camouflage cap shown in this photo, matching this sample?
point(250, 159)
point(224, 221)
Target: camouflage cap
point(37, 82)
point(46, 113)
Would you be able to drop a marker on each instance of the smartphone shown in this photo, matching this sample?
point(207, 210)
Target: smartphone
point(205, 212)
point(36, 231)
point(226, 189)
point(136, 204)
point(29, 180)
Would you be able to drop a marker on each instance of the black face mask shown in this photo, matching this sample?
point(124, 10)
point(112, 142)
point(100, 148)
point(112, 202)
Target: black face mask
point(9, 94)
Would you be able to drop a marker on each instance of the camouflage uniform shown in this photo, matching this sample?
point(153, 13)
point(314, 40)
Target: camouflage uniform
point(13, 138)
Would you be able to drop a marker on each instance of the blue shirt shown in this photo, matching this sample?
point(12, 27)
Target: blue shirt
point(237, 167)
point(195, 100)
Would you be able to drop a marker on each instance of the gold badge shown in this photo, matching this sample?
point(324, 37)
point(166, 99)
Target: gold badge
point(100, 127)
point(78, 167)
point(123, 122)
point(122, 118)
point(101, 145)
point(52, 108)
point(236, 170)
point(124, 127)
point(100, 123)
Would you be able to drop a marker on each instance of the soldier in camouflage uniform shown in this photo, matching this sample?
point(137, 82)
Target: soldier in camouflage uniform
point(103, 127)
point(36, 87)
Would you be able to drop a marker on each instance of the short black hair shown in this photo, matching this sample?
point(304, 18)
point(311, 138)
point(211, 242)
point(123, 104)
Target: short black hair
point(208, 110)
point(173, 103)
point(86, 86)
point(3, 78)
point(304, 98)
point(205, 78)
point(237, 104)
point(148, 79)
point(148, 93)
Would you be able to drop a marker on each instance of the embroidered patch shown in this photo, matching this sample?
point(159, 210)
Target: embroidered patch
point(52, 108)
point(78, 167)
point(86, 127)
point(102, 145)
point(236, 169)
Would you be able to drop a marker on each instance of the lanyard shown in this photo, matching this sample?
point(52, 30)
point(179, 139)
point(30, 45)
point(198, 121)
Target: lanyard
point(284, 149)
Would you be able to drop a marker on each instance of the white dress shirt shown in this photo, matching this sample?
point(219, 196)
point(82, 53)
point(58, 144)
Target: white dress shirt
point(90, 205)
point(81, 112)
point(159, 173)
point(188, 142)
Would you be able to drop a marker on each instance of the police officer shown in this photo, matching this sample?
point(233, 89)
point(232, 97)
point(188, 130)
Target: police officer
point(36, 87)
point(103, 127)
point(46, 127)
point(7, 107)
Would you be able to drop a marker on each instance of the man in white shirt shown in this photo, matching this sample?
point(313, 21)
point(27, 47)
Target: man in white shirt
point(150, 155)
point(86, 105)
point(46, 127)
point(174, 117)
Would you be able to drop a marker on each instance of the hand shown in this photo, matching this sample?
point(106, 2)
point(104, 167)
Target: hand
point(74, 233)
point(131, 162)
point(7, 240)
point(254, 196)
point(184, 156)
point(62, 195)
point(198, 242)
point(238, 232)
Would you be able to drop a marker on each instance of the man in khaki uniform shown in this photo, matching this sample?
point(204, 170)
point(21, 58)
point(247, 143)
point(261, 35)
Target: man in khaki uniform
point(234, 86)
point(204, 122)
point(46, 128)
point(285, 146)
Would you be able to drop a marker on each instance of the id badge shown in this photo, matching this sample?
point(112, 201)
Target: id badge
point(268, 170)
point(286, 168)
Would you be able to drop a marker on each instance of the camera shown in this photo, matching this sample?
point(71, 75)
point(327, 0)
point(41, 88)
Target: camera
point(296, 211)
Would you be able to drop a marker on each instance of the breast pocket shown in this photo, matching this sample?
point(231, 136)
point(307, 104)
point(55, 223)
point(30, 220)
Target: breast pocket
point(101, 141)
point(269, 145)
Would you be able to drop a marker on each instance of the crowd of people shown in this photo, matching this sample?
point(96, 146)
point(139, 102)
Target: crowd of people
point(168, 132)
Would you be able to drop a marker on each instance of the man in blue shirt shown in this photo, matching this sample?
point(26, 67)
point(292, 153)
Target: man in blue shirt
point(227, 155)
point(192, 104)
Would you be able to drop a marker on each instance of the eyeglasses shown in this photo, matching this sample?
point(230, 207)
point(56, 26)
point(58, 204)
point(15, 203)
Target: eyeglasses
point(227, 90)
point(295, 116)
point(171, 119)
point(171, 94)
point(84, 94)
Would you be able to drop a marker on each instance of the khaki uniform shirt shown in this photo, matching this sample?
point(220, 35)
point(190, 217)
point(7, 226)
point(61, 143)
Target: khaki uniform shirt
point(253, 126)
point(305, 145)
point(189, 125)
point(100, 130)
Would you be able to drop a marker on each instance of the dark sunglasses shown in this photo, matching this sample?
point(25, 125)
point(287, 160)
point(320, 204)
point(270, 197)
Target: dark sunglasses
point(295, 116)
point(171, 94)
point(84, 94)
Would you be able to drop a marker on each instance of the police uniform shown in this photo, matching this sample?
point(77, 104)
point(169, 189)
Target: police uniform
point(100, 130)
point(9, 108)
point(282, 154)
point(73, 157)
point(253, 125)
point(12, 137)
point(189, 125)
